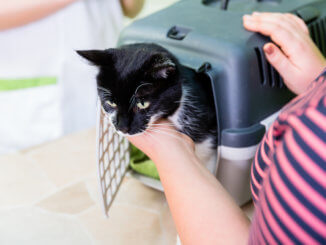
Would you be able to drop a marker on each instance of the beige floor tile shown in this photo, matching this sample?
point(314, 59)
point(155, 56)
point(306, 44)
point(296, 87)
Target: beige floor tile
point(21, 182)
point(93, 188)
point(168, 226)
point(126, 225)
point(67, 160)
point(34, 226)
point(134, 192)
point(71, 200)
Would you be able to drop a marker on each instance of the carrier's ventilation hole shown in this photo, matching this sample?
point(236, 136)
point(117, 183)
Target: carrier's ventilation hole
point(107, 178)
point(267, 74)
point(108, 196)
point(101, 168)
point(260, 66)
point(105, 122)
point(127, 159)
point(100, 148)
point(112, 170)
point(126, 144)
point(106, 160)
point(105, 126)
point(117, 159)
point(118, 175)
point(121, 150)
point(114, 185)
point(110, 132)
point(317, 31)
point(111, 151)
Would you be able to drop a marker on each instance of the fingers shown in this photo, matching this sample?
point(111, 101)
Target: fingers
point(283, 29)
point(288, 21)
point(298, 57)
point(299, 22)
point(277, 33)
point(278, 59)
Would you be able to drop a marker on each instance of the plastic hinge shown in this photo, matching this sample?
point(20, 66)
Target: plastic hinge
point(178, 32)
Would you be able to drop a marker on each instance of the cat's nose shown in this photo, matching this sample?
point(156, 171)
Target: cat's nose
point(122, 124)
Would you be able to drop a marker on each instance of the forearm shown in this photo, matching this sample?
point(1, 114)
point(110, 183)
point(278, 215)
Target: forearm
point(204, 213)
point(15, 13)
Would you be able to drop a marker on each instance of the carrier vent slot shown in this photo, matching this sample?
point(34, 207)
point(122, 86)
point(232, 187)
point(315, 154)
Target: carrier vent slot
point(317, 31)
point(268, 75)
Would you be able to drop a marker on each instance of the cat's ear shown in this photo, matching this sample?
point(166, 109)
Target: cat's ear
point(162, 67)
point(97, 57)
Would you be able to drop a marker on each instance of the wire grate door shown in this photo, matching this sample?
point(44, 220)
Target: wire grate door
point(112, 159)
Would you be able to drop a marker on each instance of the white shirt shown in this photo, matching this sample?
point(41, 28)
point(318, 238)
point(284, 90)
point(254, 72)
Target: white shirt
point(45, 50)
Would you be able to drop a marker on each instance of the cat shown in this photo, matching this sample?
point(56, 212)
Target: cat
point(140, 83)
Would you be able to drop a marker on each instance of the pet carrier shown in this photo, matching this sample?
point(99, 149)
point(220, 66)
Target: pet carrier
point(248, 92)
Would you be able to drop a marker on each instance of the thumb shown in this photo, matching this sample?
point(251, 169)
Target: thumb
point(278, 60)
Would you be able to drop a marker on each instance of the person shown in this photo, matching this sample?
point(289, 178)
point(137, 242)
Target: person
point(46, 91)
point(288, 173)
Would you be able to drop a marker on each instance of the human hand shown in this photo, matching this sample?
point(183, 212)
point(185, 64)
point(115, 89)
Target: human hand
point(297, 58)
point(162, 139)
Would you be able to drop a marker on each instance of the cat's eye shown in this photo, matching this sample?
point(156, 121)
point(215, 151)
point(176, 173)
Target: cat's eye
point(143, 104)
point(112, 104)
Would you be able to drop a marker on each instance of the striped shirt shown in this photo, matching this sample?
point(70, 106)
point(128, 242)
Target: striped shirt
point(288, 176)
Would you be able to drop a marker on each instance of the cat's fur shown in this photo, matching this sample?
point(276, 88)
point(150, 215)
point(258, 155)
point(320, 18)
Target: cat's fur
point(147, 72)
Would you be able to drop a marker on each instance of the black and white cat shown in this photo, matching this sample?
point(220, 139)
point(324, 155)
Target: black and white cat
point(140, 83)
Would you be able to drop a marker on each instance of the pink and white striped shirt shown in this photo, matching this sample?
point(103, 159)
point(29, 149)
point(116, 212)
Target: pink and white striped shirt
point(288, 177)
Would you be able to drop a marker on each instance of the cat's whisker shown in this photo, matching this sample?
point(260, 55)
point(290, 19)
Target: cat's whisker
point(166, 129)
point(165, 132)
point(147, 133)
point(161, 127)
point(161, 124)
point(174, 136)
point(164, 123)
point(155, 137)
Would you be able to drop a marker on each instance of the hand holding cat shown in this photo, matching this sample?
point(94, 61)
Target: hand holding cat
point(296, 57)
point(162, 139)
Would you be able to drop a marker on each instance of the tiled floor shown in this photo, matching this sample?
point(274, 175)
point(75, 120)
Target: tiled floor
point(49, 195)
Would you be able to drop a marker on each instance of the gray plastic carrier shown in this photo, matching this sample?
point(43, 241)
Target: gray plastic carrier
point(247, 90)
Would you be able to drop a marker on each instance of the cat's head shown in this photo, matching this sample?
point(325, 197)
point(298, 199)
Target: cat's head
point(137, 84)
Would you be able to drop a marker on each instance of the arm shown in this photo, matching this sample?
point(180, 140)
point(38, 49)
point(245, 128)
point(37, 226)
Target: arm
point(131, 7)
point(15, 13)
point(204, 213)
point(297, 58)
